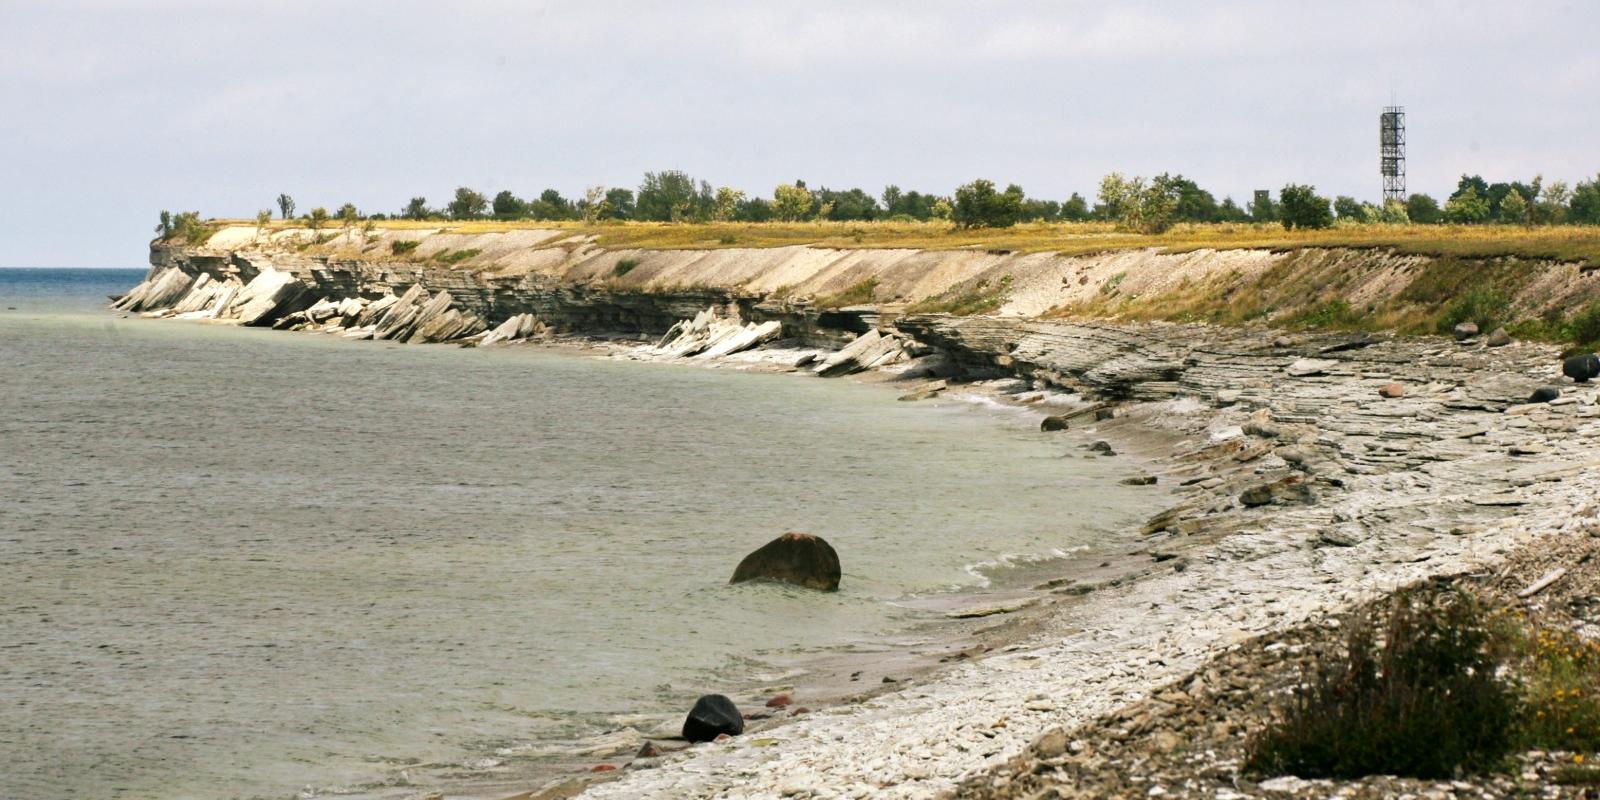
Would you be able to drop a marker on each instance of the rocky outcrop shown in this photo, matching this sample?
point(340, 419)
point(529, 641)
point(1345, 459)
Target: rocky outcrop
point(517, 328)
point(711, 335)
point(798, 558)
point(867, 351)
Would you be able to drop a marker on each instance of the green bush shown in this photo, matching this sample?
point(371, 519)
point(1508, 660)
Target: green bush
point(1560, 673)
point(1422, 700)
point(624, 267)
point(980, 298)
point(1584, 327)
point(857, 294)
point(455, 256)
point(401, 248)
point(1486, 308)
point(1334, 314)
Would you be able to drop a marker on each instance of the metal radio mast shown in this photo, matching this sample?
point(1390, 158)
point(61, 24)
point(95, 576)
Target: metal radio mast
point(1392, 152)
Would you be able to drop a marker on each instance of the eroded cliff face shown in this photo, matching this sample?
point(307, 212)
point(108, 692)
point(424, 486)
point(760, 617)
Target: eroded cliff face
point(829, 295)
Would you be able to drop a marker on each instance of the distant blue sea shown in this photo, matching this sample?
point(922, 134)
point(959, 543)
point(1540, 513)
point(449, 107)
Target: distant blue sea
point(39, 288)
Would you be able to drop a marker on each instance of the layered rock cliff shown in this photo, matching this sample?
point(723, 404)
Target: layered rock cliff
point(571, 282)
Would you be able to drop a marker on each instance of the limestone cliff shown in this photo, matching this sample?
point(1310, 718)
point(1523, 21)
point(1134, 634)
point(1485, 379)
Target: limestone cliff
point(828, 296)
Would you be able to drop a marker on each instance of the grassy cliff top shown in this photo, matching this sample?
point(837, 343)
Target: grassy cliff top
point(1563, 243)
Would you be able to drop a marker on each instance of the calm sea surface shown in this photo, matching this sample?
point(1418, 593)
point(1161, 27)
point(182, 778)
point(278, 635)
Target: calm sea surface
point(238, 562)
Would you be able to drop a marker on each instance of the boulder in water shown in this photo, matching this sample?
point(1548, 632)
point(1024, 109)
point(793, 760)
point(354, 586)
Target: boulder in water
point(1581, 368)
point(798, 558)
point(713, 715)
point(1053, 423)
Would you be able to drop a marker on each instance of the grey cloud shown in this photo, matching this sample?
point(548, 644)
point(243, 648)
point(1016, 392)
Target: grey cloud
point(115, 110)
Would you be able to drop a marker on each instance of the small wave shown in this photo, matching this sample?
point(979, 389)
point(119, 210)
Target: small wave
point(977, 569)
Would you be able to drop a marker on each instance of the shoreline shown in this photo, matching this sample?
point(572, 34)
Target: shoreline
point(958, 622)
point(1306, 491)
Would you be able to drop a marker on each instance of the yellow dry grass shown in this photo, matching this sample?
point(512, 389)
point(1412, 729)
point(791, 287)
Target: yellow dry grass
point(1563, 243)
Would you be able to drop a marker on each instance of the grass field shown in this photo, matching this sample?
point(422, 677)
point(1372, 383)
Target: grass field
point(1563, 243)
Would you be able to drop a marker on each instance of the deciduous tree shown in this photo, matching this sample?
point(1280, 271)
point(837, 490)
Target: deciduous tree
point(978, 205)
point(1301, 207)
point(791, 202)
point(467, 204)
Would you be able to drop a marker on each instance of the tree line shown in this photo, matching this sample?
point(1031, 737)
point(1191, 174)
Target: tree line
point(1134, 203)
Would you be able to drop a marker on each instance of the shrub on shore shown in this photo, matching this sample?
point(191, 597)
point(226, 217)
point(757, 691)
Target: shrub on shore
point(1416, 693)
point(1431, 685)
point(1486, 308)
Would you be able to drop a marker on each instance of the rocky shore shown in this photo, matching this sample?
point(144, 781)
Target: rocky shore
point(1314, 473)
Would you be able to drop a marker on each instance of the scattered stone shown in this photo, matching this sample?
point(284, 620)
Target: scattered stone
point(713, 715)
point(1465, 330)
point(1103, 414)
point(603, 768)
point(1053, 423)
point(1265, 430)
point(887, 679)
point(925, 392)
point(1544, 394)
point(1103, 448)
point(1286, 491)
point(991, 609)
point(1342, 536)
point(1392, 390)
point(1051, 744)
point(1499, 338)
point(1139, 480)
point(649, 750)
point(1282, 342)
point(779, 701)
point(798, 558)
point(1582, 368)
point(1307, 367)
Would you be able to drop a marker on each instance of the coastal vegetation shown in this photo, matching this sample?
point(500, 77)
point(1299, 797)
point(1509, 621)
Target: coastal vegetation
point(1431, 684)
point(1133, 204)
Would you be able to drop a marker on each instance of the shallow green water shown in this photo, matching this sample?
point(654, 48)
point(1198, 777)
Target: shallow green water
point(239, 562)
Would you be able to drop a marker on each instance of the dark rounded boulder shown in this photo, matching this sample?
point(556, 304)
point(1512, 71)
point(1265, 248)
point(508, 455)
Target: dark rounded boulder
point(1544, 394)
point(798, 558)
point(1581, 368)
point(713, 715)
point(1053, 423)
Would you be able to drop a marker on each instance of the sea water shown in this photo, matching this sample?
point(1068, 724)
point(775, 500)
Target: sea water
point(238, 562)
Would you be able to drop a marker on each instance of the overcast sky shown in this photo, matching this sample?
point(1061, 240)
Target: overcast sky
point(112, 111)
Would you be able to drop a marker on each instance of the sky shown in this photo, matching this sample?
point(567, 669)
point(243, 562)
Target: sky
point(113, 111)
